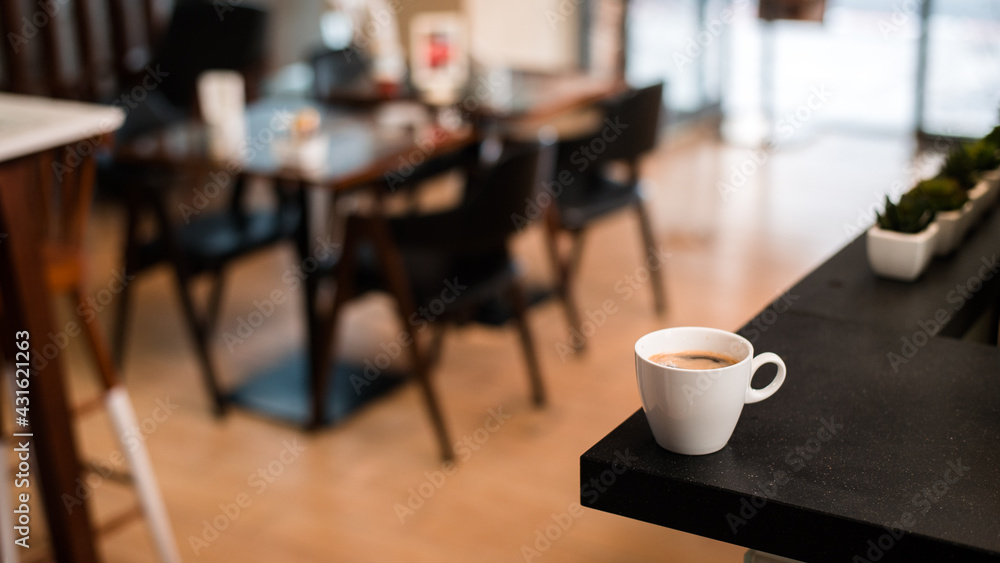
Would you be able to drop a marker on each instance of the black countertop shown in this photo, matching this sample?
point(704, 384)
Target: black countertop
point(861, 441)
point(844, 287)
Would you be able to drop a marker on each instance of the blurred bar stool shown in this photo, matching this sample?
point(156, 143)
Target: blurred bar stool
point(629, 131)
point(67, 189)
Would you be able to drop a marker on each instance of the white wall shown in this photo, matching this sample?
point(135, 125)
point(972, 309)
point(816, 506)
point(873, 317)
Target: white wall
point(525, 34)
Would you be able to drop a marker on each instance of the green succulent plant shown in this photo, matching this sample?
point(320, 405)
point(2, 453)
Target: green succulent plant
point(983, 155)
point(911, 215)
point(993, 137)
point(959, 166)
point(942, 194)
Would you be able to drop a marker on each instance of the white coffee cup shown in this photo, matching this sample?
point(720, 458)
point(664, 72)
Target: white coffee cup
point(694, 411)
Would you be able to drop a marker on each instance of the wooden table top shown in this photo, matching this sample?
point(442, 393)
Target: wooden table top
point(357, 148)
point(30, 124)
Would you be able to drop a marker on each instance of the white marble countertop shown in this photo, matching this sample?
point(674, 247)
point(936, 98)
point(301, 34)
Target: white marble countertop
point(29, 124)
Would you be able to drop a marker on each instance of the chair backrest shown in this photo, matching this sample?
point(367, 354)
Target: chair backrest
point(56, 49)
point(202, 37)
point(635, 118)
point(335, 70)
point(499, 199)
point(500, 196)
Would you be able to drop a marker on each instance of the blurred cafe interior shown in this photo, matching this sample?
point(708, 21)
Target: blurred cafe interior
point(363, 280)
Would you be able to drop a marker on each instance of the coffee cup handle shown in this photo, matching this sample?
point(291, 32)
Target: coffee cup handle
point(757, 395)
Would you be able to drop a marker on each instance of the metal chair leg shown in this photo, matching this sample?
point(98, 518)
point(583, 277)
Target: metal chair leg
point(569, 296)
point(201, 344)
point(437, 344)
point(527, 343)
point(655, 276)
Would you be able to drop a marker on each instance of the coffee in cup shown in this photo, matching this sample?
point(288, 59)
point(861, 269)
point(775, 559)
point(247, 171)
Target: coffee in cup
point(693, 359)
point(694, 382)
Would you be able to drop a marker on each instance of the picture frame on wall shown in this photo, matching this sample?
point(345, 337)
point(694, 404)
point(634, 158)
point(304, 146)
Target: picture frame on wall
point(439, 58)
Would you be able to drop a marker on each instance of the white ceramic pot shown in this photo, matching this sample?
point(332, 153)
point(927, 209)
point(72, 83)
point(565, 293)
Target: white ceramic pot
point(953, 225)
point(991, 180)
point(993, 177)
point(901, 256)
point(980, 198)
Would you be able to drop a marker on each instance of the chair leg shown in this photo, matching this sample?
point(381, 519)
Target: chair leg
point(561, 270)
point(396, 278)
point(121, 324)
point(324, 358)
point(430, 399)
point(569, 296)
point(197, 328)
point(527, 343)
point(98, 346)
point(121, 315)
point(437, 344)
point(655, 276)
point(215, 300)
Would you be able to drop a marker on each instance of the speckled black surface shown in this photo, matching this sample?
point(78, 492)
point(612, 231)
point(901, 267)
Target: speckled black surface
point(901, 428)
point(845, 288)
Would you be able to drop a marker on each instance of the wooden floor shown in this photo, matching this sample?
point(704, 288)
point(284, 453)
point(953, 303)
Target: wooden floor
point(340, 498)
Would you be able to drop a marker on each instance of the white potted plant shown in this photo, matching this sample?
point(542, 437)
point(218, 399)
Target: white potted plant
point(974, 166)
point(953, 212)
point(985, 156)
point(903, 240)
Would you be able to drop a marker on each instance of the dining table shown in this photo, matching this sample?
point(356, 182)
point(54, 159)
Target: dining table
point(355, 150)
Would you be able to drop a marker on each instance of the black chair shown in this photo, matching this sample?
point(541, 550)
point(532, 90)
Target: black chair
point(628, 132)
point(338, 71)
point(445, 266)
point(210, 35)
point(208, 241)
point(208, 244)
